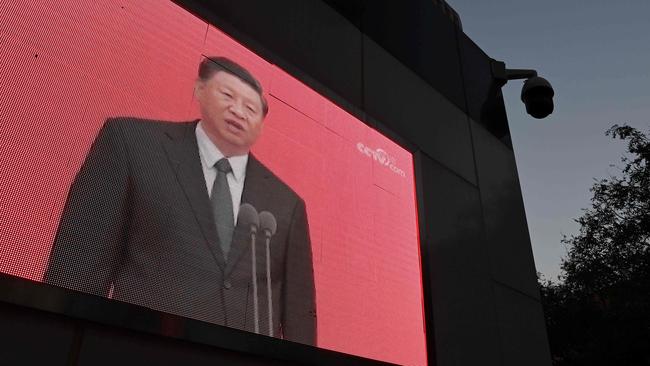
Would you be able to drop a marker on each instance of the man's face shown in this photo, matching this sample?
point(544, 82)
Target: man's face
point(231, 111)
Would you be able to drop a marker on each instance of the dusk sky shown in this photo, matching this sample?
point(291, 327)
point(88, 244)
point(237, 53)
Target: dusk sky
point(596, 54)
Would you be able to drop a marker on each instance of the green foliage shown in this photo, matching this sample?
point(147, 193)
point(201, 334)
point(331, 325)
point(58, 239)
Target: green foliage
point(600, 313)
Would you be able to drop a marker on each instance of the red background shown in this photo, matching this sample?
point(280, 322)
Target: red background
point(66, 66)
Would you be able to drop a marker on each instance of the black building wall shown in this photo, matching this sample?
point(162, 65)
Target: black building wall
point(408, 70)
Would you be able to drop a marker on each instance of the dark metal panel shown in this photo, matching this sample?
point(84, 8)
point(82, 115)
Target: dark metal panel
point(521, 329)
point(396, 96)
point(459, 298)
point(484, 99)
point(30, 337)
point(510, 251)
point(422, 37)
point(110, 347)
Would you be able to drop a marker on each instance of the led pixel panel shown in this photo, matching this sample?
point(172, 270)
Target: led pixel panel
point(107, 185)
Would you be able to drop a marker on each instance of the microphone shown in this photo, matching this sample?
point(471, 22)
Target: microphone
point(248, 217)
point(268, 226)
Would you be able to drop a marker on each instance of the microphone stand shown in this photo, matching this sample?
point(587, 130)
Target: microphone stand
point(269, 226)
point(248, 217)
point(268, 282)
point(256, 315)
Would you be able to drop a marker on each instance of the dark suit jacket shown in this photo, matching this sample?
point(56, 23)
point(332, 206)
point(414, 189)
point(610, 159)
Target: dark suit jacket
point(138, 226)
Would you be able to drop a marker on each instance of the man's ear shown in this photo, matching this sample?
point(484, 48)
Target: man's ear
point(199, 86)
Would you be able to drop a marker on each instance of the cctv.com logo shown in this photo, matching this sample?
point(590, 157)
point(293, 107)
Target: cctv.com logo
point(381, 157)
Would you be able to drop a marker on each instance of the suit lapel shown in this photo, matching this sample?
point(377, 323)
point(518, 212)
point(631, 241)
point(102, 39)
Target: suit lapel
point(183, 154)
point(256, 174)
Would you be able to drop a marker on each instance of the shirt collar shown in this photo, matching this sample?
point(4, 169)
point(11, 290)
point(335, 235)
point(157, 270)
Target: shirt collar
point(210, 154)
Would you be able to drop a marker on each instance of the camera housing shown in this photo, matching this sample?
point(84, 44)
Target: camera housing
point(537, 94)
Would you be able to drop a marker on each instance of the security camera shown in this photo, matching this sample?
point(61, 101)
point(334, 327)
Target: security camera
point(537, 94)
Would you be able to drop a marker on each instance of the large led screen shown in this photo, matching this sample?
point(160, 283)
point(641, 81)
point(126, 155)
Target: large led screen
point(148, 157)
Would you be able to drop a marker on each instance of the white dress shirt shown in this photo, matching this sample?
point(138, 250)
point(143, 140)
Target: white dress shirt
point(210, 154)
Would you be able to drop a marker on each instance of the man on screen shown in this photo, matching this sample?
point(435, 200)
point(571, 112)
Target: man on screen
point(151, 217)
